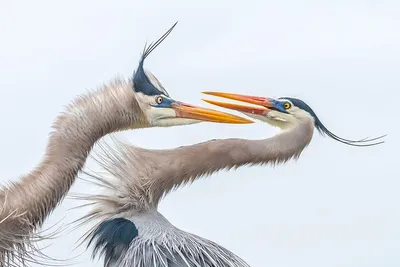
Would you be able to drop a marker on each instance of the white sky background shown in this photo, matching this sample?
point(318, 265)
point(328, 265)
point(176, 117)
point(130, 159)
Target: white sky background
point(336, 206)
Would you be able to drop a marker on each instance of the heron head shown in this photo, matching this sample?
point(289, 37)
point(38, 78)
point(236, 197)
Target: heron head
point(162, 110)
point(285, 113)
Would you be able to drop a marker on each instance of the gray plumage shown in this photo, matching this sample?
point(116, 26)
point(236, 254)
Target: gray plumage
point(121, 105)
point(25, 204)
point(134, 180)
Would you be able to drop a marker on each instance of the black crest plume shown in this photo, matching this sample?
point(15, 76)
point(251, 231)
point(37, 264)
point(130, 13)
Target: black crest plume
point(141, 82)
point(323, 130)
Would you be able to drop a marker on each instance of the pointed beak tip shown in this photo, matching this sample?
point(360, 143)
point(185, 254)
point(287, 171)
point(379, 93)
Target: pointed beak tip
point(210, 115)
point(207, 93)
point(241, 108)
point(206, 100)
point(241, 120)
point(219, 94)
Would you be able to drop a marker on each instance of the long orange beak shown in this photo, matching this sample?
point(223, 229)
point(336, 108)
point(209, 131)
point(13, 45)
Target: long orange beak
point(188, 111)
point(264, 105)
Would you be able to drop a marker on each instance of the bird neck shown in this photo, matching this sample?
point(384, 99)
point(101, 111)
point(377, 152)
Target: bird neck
point(287, 144)
point(165, 170)
point(76, 130)
point(192, 162)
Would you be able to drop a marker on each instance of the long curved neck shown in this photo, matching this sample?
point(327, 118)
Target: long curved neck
point(144, 176)
point(25, 204)
point(185, 164)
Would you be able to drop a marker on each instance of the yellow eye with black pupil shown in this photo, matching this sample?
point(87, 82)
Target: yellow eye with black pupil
point(159, 100)
point(287, 105)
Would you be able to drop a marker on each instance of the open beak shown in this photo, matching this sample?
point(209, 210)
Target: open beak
point(184, 110)
point(264, 105)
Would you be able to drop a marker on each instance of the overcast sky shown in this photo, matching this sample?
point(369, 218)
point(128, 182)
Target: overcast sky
point(336, 206)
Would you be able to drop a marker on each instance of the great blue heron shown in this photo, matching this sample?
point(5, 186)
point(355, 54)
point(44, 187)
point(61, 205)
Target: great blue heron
point(121, 105)
point(130, 232)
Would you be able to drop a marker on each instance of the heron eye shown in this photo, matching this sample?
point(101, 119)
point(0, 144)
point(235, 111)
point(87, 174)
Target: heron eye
point(159, 99)
point(287, 105)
